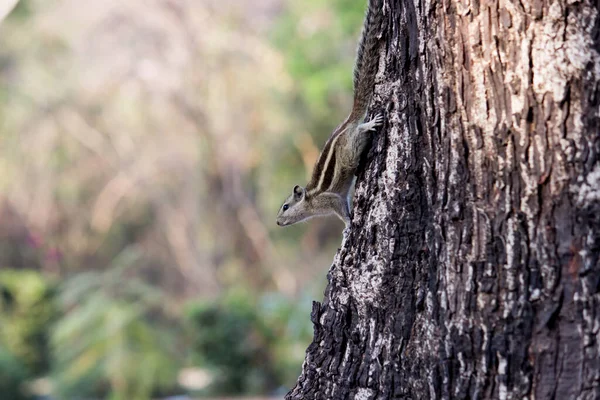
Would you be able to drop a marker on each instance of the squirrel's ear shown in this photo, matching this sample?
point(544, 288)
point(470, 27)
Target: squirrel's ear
point(298, 192)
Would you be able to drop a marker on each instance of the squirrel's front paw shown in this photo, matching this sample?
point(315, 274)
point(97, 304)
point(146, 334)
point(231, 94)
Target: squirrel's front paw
point(372, 124)
point(377, 121)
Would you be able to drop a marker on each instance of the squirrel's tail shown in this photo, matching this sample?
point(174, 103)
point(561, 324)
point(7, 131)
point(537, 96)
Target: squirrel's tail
point(367, 58)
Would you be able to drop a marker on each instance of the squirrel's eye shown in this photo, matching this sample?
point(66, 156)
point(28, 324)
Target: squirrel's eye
point(285, 207)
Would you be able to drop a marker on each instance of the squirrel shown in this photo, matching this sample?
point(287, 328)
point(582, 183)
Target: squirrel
point(327, 191)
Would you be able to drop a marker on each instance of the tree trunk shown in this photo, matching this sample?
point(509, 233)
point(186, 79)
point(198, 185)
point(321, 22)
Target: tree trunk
point(472, 268)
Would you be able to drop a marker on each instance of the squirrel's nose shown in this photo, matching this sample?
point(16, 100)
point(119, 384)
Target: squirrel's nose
point(278, 223)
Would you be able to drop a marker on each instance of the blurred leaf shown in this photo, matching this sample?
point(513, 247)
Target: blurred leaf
point(26, 311)
point(115, 336)
point(12, 376)
point(251, 345)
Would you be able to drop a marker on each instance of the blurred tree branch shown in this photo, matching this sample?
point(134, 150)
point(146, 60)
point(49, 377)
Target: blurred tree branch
point(155, 135)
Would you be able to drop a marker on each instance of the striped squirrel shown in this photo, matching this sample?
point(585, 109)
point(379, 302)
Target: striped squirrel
point(327, 191)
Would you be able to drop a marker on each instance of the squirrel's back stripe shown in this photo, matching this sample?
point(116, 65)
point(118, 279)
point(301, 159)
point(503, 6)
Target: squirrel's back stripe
point(329, 172)
point(329, 162)
point(314, 185)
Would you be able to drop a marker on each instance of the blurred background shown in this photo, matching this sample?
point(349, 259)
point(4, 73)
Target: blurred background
point(145, 149)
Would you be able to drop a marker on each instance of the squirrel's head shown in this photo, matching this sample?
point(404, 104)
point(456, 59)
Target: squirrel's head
point(294, 209)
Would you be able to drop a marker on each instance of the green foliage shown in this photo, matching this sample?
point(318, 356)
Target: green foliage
point(26, 311)
point(318, 40)
point(291, 329)
point(111, 146)
point(229, 338)
point(12, 376)
point(114, 337)
point(251, 346)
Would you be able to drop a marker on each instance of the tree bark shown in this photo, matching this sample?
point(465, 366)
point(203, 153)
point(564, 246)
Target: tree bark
point(472, 268)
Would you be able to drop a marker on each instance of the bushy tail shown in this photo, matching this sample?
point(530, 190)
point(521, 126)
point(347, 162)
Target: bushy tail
point(367, 58)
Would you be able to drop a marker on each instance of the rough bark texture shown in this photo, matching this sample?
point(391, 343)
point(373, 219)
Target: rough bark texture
point(472, 269)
